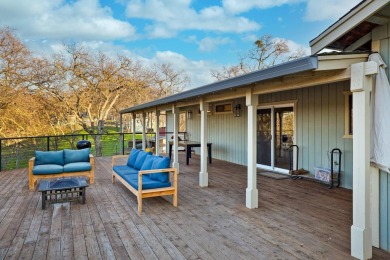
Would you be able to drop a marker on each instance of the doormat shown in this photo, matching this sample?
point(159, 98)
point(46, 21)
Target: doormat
point(273, 175)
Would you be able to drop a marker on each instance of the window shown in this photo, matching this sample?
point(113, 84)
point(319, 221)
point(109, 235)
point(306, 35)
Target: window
point(223, 108)
point(348, 131)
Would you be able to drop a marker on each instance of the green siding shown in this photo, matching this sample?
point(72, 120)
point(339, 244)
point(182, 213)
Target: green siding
point(319, 129)
point(384, 185)
point(320, 126)
point(384, 210)
point(226, 132)
point(385, 53)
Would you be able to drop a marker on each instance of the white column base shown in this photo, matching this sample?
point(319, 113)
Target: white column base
point(252, 198)
point(176, 165)
point(203, 179)
point(361, 242)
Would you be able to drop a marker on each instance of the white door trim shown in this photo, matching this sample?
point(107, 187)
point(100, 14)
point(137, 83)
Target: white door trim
point(272, 106)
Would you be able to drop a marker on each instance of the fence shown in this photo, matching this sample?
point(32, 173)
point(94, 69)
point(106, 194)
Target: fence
point(15, 152)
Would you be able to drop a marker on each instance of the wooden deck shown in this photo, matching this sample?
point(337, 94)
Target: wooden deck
point(295, 220)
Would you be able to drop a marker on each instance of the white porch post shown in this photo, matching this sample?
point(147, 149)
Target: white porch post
point(143, 131)
point(134, 134)
point(361, 86)
point(175, 113)
point(252, 198)
point(157, 144)
point(203, 174)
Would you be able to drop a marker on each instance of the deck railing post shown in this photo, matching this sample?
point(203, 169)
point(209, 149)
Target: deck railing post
point(0, 155)
point(48, 143)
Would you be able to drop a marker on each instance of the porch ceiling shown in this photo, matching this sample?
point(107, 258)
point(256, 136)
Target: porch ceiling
point(352, 32)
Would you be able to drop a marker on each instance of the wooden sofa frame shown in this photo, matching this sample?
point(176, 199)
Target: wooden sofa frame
point(141, 194)
point(32, 179)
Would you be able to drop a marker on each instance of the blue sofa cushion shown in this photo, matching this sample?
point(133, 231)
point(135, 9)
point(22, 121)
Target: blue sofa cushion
point(124, 170)
point(47, 169)
point(147, 165)
point(147, 183)
point(77, 167)
point(160, 163)
point(132, 157)
point(140, 159)
point(73, 156)
point(51, 157)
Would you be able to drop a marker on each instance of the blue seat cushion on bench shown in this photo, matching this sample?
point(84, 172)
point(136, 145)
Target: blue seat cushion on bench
point(132, 157)
point(124, 170)
point(51, 157)
point(47, 169)
point(140, 159)
point(74, 156)
point(160, 163)
point(147, 183)
point(77, 167)
point(147, 165)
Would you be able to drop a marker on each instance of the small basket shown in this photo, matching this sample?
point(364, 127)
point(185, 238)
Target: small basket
point(323, 174)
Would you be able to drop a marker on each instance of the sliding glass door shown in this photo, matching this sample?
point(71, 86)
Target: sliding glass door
point(275, 134)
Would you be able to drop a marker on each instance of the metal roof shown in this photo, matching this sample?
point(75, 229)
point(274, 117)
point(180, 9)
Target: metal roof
point(291, 67)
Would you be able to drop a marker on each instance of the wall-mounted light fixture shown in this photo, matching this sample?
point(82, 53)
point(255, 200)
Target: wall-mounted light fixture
point(189, 114)
point(237, 110)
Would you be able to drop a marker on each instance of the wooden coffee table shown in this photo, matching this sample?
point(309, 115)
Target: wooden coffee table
point(62, 190)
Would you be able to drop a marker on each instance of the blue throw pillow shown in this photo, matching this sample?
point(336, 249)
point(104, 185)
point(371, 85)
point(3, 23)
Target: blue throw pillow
point(160, 163)
point(51, 157)
point(140, 159)
point(132, 157)
point(147, 165)
point(73, 156)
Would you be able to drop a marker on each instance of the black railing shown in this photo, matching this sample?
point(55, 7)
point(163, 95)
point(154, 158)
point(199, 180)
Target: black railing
point(15, 152)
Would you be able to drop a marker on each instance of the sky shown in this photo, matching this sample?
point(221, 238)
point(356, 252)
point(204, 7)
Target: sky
point(194, 36)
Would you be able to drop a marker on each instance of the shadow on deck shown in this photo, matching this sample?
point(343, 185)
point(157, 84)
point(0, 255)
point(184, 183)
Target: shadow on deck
point(295, 220)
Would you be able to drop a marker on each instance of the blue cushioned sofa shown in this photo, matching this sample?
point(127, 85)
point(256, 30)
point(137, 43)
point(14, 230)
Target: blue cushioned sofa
point(64, 163)
point(146, 175)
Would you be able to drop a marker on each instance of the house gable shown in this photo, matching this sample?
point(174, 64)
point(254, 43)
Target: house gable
point(353, 31)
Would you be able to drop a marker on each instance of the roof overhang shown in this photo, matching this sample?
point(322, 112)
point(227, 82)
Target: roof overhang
point(353, 31)
point(305, 72)
point(300, 65)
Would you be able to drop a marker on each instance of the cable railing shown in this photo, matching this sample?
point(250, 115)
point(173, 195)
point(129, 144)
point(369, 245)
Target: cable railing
point(15, 152)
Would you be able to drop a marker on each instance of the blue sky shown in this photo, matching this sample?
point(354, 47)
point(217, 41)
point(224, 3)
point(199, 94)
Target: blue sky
point(194, 36)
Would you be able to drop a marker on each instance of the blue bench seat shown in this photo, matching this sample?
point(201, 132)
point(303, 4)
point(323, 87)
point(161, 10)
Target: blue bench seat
point(152, 171)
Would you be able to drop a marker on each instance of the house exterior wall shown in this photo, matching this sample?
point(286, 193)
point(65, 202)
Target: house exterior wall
point(383, 35)
point(320, 128)
point(384, 211)
point(320, 117)
point(226, 133)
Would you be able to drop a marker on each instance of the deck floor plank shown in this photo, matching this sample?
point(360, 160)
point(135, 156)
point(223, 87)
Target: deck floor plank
point(295, 220)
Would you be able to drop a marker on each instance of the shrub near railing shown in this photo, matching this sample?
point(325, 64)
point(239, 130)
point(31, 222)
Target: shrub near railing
point(15, 152)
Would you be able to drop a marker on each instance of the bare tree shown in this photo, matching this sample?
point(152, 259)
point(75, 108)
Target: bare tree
point(89, 86)
point(166, 81)
point(268, 52)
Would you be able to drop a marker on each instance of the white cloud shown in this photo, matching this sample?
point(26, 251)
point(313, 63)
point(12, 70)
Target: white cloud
point(328, 9)
point(208, 44)
point(294, 47)
point(58, 19)
point(198, 71)
point(234, 6)
point(167, 21)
